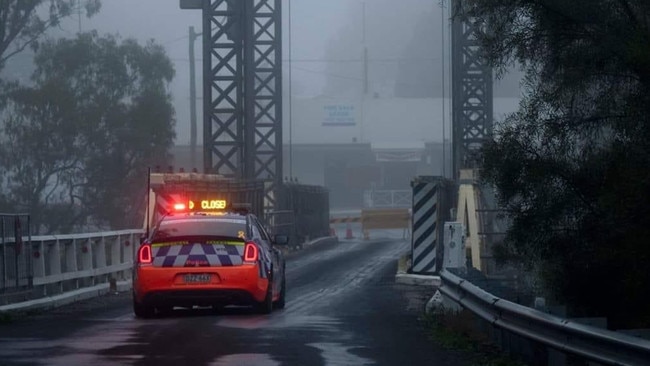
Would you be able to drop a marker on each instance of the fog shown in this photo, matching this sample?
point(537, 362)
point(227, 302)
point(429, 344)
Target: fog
point(325, 40)
point(313, 24)
point(394, 98)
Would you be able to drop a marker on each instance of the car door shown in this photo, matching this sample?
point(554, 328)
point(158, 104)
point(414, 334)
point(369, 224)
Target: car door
point(278, 266)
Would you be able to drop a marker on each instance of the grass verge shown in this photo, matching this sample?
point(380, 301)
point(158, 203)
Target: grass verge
point(5, 318)
point(455, 331)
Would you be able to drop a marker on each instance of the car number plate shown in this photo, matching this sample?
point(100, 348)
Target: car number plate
point(197, 278)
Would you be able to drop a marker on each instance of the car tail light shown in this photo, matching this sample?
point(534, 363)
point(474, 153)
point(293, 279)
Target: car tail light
point(144, 254)
point(251, 253)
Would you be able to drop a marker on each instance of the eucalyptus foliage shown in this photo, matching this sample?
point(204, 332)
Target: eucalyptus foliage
point(74, 147)
point(23, 22)
point(572, 164)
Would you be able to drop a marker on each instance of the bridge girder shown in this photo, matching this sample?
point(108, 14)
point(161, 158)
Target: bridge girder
point(242, 90)
point(472, 97)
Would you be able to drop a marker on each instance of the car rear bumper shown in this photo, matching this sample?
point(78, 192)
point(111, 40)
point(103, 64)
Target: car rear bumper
point(236, 285)
point(203, 297)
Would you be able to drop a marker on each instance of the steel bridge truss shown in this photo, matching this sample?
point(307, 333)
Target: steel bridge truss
point(472, 93)
point(242, 91)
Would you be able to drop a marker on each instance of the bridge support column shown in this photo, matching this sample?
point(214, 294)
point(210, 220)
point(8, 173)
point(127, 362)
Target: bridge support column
point(431, 207)
point(467, 214)
point(242, 89)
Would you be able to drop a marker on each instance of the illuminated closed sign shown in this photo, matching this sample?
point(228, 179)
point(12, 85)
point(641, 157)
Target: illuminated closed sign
point(208, 205)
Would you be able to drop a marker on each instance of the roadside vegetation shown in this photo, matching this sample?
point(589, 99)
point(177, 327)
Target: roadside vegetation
point(25, 22)
point(76, 138)
point(456, 331)
point(5, 318)
point(571, 165)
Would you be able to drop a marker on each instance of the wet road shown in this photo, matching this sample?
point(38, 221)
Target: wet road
point(343, 308)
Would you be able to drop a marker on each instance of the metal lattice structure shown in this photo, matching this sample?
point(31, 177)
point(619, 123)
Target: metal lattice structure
point(263, 98)
point(472, 93)
point(223, 98)
point(242, 89)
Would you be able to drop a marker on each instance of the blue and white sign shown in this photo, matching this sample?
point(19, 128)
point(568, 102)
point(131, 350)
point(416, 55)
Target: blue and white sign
point(339, 115)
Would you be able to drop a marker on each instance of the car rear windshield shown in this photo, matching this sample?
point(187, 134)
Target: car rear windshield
point(222, 227)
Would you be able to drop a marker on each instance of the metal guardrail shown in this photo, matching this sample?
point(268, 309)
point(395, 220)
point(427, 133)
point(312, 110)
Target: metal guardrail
point(590, 343)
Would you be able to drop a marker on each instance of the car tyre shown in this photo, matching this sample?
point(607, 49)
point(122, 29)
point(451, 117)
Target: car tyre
point(141, 310)
point(266, 306)
point(279, 304)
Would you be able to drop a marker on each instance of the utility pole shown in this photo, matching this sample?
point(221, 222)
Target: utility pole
point(444, 73)
point(290, 94)
point(365, 49)
point(79, 14)
point(193, 37)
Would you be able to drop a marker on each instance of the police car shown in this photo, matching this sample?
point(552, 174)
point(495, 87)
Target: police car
point(215, 257)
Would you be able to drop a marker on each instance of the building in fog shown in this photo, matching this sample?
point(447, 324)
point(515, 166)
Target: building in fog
point(354, 146)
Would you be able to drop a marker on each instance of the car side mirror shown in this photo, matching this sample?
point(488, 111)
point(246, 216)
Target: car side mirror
point(281, 240)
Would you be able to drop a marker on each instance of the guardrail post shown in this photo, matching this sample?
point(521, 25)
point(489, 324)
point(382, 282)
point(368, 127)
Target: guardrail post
point(128, 247)
point(38, 259)
point(87, 254)
point(53, 253)
point(99, 251)
point(104, 258)
point(70, 257)
point(114, 252)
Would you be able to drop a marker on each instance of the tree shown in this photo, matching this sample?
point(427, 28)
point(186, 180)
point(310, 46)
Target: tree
point(38, 151)
point(22, 24)
point(79, 141)
point(571, 165)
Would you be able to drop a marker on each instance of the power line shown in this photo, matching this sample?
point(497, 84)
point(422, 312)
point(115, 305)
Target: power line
point(341, 60)
point(175, 40)
point(401, 59)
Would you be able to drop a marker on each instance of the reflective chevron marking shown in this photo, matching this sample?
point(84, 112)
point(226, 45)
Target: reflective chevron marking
point(425, 230)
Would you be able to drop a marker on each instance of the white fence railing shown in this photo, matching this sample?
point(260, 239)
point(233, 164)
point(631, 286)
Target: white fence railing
point(67, 262)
